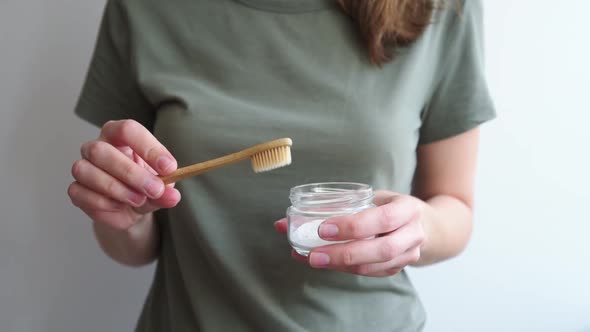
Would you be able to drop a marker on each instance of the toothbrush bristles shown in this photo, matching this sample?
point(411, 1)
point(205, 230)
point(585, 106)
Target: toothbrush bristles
point(271, 159)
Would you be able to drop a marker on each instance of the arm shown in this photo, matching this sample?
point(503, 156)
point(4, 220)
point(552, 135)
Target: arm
point(444, 181)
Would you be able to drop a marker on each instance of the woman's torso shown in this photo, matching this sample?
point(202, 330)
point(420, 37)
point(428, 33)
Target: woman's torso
point(229, 74)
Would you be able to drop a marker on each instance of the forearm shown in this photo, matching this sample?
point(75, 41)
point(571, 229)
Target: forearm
point(136, 246)
point(447, 223)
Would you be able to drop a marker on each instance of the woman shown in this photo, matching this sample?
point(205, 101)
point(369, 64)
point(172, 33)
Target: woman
point(385, 92)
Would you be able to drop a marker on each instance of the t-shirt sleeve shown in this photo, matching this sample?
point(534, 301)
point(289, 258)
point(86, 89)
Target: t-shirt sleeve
point(111, 90)
point(461, 100)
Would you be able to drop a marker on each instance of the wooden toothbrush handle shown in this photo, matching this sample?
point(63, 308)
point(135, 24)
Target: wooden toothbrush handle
point(196, 169)
point(206, 166)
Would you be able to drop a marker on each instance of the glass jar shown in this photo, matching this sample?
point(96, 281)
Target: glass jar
point(313, 203)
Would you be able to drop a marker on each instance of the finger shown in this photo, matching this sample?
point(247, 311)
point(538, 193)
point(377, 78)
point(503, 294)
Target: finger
point(377, 250)
point(390, 268)
point(379, 220)
point(142, 163)
point(281, 226)
point(299, 258)
point(126, 151)
point(114, 162)
point(383, 197)
point(87, 199)
point(133, 134)
point(386, 273)
point(169, 199)
point(384, 269)
point(99, 181)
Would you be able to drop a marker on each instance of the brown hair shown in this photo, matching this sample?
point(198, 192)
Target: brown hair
point(385, 25)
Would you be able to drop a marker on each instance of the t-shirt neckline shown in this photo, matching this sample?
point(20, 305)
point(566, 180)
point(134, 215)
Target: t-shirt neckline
point(289, 6)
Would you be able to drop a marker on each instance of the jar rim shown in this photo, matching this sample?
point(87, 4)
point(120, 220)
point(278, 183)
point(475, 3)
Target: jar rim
point(321, 193)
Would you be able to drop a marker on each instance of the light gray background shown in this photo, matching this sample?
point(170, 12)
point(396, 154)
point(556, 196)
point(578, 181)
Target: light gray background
point(528, 266)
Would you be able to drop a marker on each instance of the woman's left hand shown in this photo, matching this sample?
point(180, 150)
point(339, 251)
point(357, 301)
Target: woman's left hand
point(388, 238)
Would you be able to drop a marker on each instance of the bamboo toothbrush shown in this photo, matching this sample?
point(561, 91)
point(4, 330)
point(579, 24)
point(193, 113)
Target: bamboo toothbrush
point(265, 157)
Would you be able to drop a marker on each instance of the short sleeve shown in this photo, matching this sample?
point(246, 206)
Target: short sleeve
point(461, 100)
point(111, 90)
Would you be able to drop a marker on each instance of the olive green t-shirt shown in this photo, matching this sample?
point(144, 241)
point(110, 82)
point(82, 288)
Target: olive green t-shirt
point(211, 77)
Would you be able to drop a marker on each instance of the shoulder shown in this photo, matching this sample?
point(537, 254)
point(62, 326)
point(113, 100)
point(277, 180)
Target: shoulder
point(451, 15)
point(456, 24)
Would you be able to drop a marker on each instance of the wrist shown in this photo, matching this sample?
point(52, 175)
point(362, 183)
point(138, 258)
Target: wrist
point(139, 228)
point(134, 246)
point(425, 220)
point(447, 225)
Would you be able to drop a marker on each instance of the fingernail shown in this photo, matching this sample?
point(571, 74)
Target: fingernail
point(164, 164)
point(135, 198)
point(318, 259)
point(153, 187)
point(328, 230)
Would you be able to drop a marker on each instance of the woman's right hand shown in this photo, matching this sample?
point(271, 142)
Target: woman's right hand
point(116, 179)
